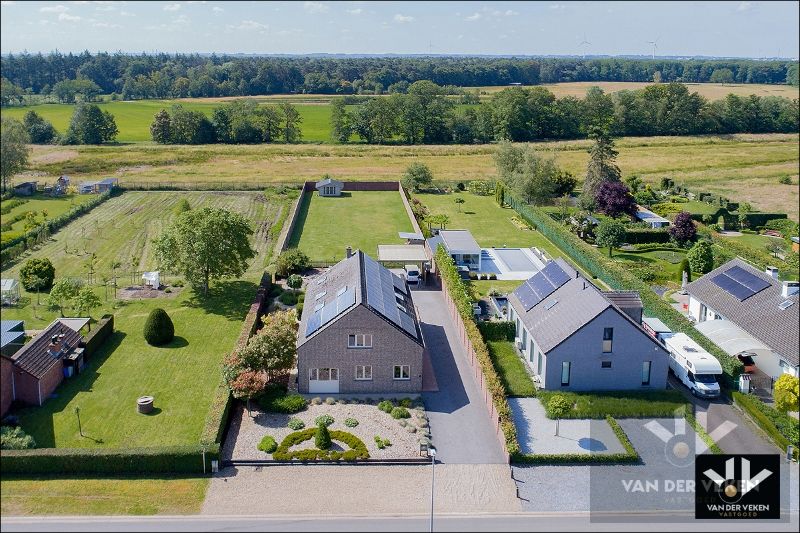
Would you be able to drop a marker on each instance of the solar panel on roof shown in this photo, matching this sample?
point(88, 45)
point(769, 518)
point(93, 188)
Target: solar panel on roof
point(313, 323)
point(399, 283)
point(749, 280)
point(341, 291)
point(732, 287)
point(555, 274)
point(541, 286)
point(526, 296)
point(328, 313)
point(345, 300)
point(407, 323)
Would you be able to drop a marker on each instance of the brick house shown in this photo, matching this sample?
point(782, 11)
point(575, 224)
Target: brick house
point(359, 332)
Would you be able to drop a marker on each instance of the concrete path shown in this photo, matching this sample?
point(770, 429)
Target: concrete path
point(536, 432)
point(460, 426)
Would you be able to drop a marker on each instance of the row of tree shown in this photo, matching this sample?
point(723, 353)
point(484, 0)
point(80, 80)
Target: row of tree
point(238, 122)
point(89, 125)
point(194, 75)
point(426, 115)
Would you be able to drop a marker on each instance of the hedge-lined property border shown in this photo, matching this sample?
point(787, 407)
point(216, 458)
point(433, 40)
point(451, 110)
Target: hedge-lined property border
point(701, 432)
point(97, 336)
point(630, 455)
point(757, 411)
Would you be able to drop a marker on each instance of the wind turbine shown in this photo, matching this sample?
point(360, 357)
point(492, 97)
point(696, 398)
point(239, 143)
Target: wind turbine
point(584, 42)
point(655, 45)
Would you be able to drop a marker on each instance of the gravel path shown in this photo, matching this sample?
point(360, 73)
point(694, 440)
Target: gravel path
point(245, 432)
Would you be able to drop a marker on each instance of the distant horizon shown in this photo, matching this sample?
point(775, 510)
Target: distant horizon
point(554, 28)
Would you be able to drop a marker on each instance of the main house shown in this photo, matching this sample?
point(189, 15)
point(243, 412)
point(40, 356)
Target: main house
point(359, 332)
point(573, 336)
point(751, 313)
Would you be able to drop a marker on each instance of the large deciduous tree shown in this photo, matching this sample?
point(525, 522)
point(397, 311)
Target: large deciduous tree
point(161, 128)
point(39, 130)
point(785, 393)
point(90, 125)
point(291, 123)
point(205, 244)
point(614, 199)
point(701, 257)
point(610, 234)
point(37, 274)
point(13, 148)
point(273, 349)
point(534, 177)
point(417, 177)
point(63, 293)
point(683, 229)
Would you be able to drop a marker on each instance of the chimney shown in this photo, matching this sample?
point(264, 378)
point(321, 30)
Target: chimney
point(348, 252)
point(790, 288)
point(771, 271)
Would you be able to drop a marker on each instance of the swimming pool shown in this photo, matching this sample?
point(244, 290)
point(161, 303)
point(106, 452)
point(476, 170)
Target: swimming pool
point(511, 263)
point(516, 259)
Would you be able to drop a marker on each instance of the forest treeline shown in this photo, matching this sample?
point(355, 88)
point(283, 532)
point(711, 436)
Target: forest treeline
point(192, 75)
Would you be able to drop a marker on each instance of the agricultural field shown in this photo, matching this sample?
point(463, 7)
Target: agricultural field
point(361, 219)
point(54, 206)
point(181, 375)
point(711, 91)
point(742, 167)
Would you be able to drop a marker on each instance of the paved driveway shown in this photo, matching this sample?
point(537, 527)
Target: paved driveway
point(460, 425)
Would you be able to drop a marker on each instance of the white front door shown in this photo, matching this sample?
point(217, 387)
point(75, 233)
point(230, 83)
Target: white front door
point(323, 381)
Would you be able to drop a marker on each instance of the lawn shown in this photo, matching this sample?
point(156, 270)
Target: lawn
point(512, 371)
point(361, 219)
point(757, 242)
point(482, 288)
point(664, 263)
point(55, 206)
point(620, 404)
point(164, 495)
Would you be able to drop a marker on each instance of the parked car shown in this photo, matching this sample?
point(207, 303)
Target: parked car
point(412, 274)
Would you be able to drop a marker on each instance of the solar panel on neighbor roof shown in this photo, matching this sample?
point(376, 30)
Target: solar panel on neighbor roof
point(526, 296)
point(313, 323)
point(732, 287)
point(555, 274)
point(325, 313)
point(752, 282)
point(541, 286)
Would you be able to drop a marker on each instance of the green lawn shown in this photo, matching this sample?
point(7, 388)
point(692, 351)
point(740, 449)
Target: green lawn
point(482, 288)
point(511, 369)
point(63, 496)
point(37, 203)
point(757, 242)
point(699, 208)
point(665, 263)
point(361, 219)
point(621, 404)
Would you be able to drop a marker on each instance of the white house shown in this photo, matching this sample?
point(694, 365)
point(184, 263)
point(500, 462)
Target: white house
point(330, 187)
point(650, 218)
point(461, 246)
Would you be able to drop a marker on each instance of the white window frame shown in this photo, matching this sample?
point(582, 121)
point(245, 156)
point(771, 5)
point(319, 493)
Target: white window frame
point(314, 374)
point(407, 372)
point(365, 373)
point(359, 340)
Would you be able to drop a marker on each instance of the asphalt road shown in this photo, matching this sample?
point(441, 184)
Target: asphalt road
point(515, 522)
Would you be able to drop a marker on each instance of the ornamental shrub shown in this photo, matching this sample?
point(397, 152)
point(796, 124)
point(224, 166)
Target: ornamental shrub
point(37, 275)
point(400, 412)
point(268, 444)
point(386, 406)
point(322, 438)
point(296, 424)
point(276, 400)
point(324, 420)
point(14, 438)
point(158, 328)
point(350, 422)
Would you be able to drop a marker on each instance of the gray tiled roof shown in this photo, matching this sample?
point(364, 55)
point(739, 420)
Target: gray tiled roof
point(34, 357)
point(328, 181)
point(759, 315)
point(578, 303)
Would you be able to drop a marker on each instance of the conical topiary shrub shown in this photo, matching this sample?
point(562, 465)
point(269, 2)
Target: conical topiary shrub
point(323, 437)
point(158, 328)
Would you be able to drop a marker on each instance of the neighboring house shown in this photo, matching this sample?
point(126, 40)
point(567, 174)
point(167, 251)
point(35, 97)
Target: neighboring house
point(359, 332)
point(13, 337)
point(27, 188)
point(651, 219)
point(749, 313)
point(576, 337)
point(60, 187)
point(89, 187)
point(41, 365)
point(330, 187)
point(461, 246)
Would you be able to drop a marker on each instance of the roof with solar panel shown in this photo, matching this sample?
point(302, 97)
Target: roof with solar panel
point(557, 301)
point(358, 280)
point(752, 300)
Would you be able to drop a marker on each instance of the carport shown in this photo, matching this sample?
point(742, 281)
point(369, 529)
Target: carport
point(403, 254)
point(734, 341)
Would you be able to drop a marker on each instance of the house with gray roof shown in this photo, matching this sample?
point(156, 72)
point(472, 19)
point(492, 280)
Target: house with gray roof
point(461, 246)
point(359, 332)
point(330, 187)
point(573, 336)
point(747, 312)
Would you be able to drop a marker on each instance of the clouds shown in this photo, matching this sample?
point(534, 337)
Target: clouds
point(65, 17)
point(744, 6)
point(315, 7)
point(54, 9)
point(356, 11)
point(248, 25)
point(403, 19)
point(217, 9)
point(475, 16)
point(172, 7)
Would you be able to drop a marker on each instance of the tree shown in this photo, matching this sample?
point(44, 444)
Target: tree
point(685, 267)
point(602, 165)
point(322, 438)
point(86, 300)
point(557, 407)
point(40, 268)
point(158, 328)
point(291, 123)
point(295, 281)
point(39, 130)
point(683, 230)
point(458, 202)
point(564, 183)
point(13, 148)
point(614, 199)
point(701, 257)
point(417, 177)
point(291, 261)
point(634, 183)
point(190, 127)
point(90, 125)
point(247, 385)
point(63, 292)
point(161, 128)
point(273, 349)
point(610, 234)
point(786, 392)
point(205, 244)
point(341, 125)
point(721, 75)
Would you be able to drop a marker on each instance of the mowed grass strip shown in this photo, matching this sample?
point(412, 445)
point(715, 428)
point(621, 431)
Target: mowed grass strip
point(513, 375)
point(621, 404)
point(360, 219)
point(64, 496)
point(55, 207)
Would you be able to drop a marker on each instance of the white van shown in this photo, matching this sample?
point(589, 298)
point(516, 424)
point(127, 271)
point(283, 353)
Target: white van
point(412, 274)
point(695, 367)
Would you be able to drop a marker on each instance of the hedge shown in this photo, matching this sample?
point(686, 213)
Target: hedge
point(162, 459)
point(498, 331)
point(641, 235)
point(463, 303)
point(761, 258)
point(98, 335)
point(358, 450)
point(618, 277)
point(630, 455)
point(701, 432)
point(780, 427)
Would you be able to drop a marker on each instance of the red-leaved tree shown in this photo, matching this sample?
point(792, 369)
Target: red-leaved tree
point(614, 199)
point(683, 229)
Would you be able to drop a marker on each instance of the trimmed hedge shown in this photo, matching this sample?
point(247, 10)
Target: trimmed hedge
point(98, 335)
point(701, 432)
point(498, 331)
point(630, 455)
point(463, 302)
point(358, 450)
point(217, 417)
point(158, 328)
point(780, 427)
point(162, 459)
point(643, 236)
point(618, 277)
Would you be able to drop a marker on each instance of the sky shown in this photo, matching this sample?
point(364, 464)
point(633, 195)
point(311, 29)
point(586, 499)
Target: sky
point(730, 29)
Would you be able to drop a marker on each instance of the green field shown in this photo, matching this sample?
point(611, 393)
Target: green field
point(742, 167)
point(361, 219)
point(133, 118)
point(54, 206)
point(85, 495)
point(182, 375)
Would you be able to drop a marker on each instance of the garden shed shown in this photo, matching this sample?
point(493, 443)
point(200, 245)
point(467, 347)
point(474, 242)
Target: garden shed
point(9, 291)
point(330, 187)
